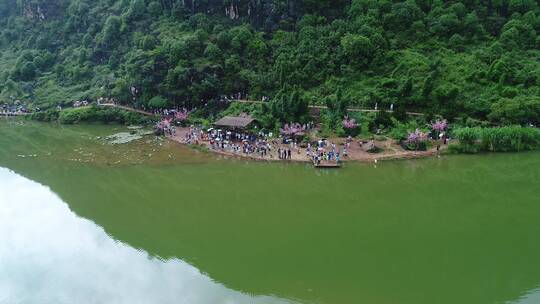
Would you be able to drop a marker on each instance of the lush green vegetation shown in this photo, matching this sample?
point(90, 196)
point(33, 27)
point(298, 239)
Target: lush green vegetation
point(469, 61)
point(504, 139)
point(90, 114)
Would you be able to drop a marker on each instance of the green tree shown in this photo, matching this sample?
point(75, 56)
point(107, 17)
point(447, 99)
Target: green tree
point(121, 90)
point(157, 102)
point(521, 110)
point(136, 10)
point(111, 31)
point(154, 8)
point(358, 48)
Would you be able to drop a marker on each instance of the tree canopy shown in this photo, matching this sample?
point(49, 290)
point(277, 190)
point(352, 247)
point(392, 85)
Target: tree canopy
point(456, 58)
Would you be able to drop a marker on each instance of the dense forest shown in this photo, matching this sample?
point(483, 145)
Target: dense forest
point(475, 60)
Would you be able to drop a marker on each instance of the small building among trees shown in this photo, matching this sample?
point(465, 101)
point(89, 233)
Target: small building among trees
point(242, 122)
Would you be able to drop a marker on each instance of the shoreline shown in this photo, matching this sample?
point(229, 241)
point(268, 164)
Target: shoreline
point(355, 155)
point(386, 155)
point(391, 151)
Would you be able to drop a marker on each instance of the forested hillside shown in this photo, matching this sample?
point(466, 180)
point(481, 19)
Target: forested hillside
point(474, 58)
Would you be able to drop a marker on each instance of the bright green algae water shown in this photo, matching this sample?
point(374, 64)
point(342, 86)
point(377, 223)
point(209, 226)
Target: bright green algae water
point(177, 225)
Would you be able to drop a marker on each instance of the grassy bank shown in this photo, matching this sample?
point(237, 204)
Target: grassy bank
point(502, 139)
point(91, 114)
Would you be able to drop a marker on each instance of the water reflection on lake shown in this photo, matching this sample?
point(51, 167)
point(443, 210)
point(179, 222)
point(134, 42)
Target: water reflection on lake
point(455, 229)
point(49, 255)
point(531, 297)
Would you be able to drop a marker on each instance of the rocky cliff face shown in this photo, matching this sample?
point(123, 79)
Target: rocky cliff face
point(268, 14)
point(265, 14)
point(40, 9)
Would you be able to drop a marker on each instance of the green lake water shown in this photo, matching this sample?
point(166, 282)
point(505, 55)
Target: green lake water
point(85, 221)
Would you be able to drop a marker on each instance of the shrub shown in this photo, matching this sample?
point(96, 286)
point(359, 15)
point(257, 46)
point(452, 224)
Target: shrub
point(521, 111)
point(350, 127)
point(503, 139)
point(401, 130)
point(157, 102)
point(416, 141)
point(382, 120)
point(468, 139)
point(72, 116)
point(95, 114)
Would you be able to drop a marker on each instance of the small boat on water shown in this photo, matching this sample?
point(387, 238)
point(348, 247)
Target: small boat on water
point(327, 165)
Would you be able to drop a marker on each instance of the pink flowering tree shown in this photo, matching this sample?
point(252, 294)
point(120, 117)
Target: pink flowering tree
point(350, 126)
point(416, 140)
point(438, 127)
point(292, 130)
point(181, 116)
point(162, 126)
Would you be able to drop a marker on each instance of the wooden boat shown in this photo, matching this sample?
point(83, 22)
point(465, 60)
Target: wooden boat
point(327, 165)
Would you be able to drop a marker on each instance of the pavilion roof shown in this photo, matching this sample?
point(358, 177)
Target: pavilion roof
point(234, 122)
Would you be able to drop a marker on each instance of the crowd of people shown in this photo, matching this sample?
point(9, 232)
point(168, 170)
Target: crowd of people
point(285, 153)
point(325, 152)
point(233, 97)
point(194, 135)
point(261, 145)
point(241, 142)
point(171, 112)
point(165, 127)
point(264, 145)
point(6, 109)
